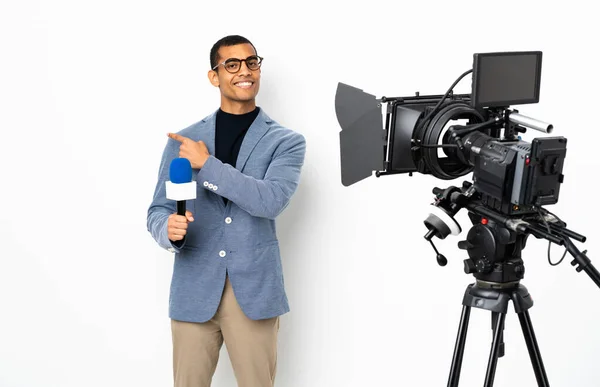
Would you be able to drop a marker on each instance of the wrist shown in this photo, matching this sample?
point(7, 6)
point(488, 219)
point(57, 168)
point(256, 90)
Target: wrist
point(204, 160)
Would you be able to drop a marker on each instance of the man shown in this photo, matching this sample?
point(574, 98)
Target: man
point(227, 283)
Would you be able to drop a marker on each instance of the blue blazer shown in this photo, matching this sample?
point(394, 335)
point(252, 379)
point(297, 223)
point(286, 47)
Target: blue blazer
point(238, 238)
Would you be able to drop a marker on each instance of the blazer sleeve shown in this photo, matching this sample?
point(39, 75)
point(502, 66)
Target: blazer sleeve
point(267, 197)
point(161, 207)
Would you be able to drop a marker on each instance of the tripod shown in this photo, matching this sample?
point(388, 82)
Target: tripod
point(486, 296)
point(494, 244)
point(495, 261)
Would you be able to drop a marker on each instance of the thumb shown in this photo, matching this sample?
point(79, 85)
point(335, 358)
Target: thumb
point(189, 216)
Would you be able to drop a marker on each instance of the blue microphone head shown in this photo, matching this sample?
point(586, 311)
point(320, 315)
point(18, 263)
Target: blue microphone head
point(180, 171)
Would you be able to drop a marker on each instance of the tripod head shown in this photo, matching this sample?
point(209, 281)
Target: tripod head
point(495, 241)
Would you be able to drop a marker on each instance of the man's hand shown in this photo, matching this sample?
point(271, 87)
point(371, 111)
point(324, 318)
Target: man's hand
point(195, 152)
point(177, 225)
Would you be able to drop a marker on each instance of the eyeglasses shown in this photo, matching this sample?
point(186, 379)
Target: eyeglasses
point(233, 65)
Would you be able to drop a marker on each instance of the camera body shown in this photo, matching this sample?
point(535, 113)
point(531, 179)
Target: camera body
point(514, 176)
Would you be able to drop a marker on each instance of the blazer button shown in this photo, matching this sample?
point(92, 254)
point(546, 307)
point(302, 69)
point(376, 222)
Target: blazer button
point(206, 183)
point(210, 186)
point(228, 220)
point(222, 253)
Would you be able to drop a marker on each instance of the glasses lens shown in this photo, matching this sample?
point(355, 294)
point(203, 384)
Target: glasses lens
point(253, 62)
point(232, 65)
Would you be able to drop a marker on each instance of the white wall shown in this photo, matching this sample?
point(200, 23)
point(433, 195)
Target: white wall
point(88, 91)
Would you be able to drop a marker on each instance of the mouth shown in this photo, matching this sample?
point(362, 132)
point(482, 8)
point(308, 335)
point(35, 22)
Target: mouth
point(244, 84)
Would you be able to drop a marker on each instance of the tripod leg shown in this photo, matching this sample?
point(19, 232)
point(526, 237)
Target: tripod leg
point(459, 348)
point(534, 351)
point(491, 370)
point(494, 321)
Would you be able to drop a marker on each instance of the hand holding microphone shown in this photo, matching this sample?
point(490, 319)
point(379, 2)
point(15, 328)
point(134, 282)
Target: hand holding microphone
point(177, 226)
point(180, 188)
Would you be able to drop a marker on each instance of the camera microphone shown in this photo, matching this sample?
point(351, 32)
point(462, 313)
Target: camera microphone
point(180, 186)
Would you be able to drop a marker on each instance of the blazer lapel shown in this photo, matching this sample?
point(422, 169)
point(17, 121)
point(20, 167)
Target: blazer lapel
point(209, 132)
point(257, 130)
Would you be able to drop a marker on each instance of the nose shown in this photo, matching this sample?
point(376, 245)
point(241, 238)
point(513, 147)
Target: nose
point(244, 70)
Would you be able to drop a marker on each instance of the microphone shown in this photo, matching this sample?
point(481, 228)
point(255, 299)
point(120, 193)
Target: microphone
point(180, 187)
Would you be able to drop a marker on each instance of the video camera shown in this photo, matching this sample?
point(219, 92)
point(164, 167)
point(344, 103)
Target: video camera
point(450, 135)
point(512, 175)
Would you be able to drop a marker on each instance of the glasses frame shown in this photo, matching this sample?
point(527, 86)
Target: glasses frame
point(260, 60)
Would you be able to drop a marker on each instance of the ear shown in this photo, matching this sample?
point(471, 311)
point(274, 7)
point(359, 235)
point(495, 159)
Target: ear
point(213, 77)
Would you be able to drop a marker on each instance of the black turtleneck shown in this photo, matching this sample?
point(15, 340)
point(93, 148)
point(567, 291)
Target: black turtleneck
point(230, 132)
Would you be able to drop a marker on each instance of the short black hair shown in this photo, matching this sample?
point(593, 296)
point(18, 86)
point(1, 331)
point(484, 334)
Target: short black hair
point(230, 40)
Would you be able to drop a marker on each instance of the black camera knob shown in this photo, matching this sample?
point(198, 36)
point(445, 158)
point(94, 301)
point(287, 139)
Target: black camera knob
point(469, 266)
point(520, 271)
point(465, 245)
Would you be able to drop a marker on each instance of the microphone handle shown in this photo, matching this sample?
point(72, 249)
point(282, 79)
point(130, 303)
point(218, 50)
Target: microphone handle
point(181, 207)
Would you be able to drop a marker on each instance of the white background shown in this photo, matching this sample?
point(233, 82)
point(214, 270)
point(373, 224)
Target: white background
point(88, 91)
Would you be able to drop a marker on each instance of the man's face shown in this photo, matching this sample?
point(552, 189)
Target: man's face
point(241, 86)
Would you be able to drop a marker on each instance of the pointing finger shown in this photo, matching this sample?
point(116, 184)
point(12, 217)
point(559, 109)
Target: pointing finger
point(177, 137)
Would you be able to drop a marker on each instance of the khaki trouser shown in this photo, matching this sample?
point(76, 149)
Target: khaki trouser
point(251, 345)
